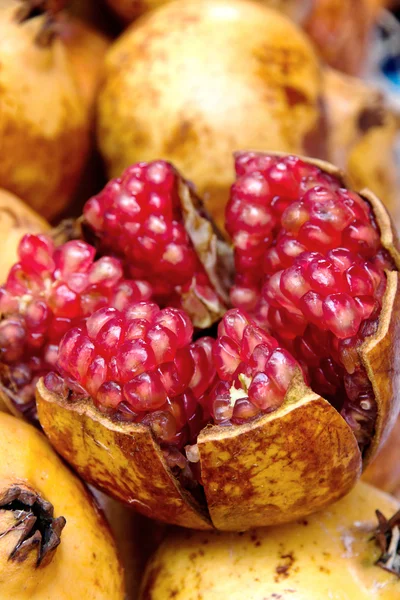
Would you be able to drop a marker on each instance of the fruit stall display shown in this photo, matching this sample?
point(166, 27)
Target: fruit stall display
point(205, 325)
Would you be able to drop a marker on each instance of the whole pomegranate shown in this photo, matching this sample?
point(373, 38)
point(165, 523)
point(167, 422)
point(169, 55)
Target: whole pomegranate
point(272, 416)
point(44, 124)
point(128, 10)
point(219, 75)
point(52, 532)
point(16, 219)
point(340, 29)
point(342, 552)
point(362, 135)
point(85, 47)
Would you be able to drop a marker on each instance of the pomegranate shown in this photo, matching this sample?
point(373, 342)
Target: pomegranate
point(205, 68)
point(342, 552)
point(341, 30)
point(128, 10)
point(384, 471)
point(289, 401)
point(16, 219)
point(85, 47)
point(52, 532)
point(362, 134)
point(340, 33)
point(44, 127)
point(152, 219)
point(46, 293)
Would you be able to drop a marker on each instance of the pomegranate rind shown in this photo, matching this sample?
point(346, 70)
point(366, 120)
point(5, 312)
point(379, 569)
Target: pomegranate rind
point(215, 255)
point(284, 466)
point(121, 459)
point(380, 353)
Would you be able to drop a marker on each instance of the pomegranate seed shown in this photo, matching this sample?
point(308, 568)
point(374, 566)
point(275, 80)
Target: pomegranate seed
point(317, 278)
point(139, 217)
point(47, 294)
point(140, 364)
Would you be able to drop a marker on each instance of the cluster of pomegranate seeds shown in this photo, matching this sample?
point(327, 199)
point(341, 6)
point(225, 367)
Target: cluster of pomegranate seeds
point(139, 217)
point(46, 293)
point(254, 371)
point(140, 365)
point(310, 268)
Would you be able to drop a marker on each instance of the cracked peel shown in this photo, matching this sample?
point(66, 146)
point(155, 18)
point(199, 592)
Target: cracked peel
point(121, 458)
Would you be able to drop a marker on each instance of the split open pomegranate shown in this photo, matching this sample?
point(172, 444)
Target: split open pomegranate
point(274, 416)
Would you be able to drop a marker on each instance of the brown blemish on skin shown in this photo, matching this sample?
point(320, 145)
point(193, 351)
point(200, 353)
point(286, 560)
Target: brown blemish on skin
point(371, 116)
point(294, 96)
point(323, 569)
point(283, 570)
point(181, 137)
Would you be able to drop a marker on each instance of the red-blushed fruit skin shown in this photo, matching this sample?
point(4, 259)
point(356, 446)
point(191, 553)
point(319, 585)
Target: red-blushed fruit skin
point(285, 465)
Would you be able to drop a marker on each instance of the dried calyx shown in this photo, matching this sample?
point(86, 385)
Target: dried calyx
point(387, 535)
point(30, 9)
point(33, 519)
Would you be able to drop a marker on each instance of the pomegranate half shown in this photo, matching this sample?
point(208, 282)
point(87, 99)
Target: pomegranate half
point(226, 433)
point(332, 554)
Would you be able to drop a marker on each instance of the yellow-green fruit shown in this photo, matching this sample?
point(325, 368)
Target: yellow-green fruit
point(44, 124)
point(330, 555)
point(84, 564)
point(194, 81)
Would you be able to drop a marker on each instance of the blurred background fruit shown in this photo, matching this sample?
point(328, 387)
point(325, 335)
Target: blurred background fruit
point(85, 47)
point(195, 80)
point(331, 554)
point(362, 135)
point(340, 29)
point(384, 471)
point(44, 124)
point(16, 219)
point(137, 538)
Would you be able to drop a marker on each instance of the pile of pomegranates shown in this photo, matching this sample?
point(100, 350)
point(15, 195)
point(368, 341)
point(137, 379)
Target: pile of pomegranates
point(211, 337)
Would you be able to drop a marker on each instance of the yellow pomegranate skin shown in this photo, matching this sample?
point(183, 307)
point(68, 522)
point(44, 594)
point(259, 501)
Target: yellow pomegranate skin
point(194, 81)
point(384, 470)
point(44, 125)
point(328, 555)
point(85, 564)
point(362, 132)
point(16, 219)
